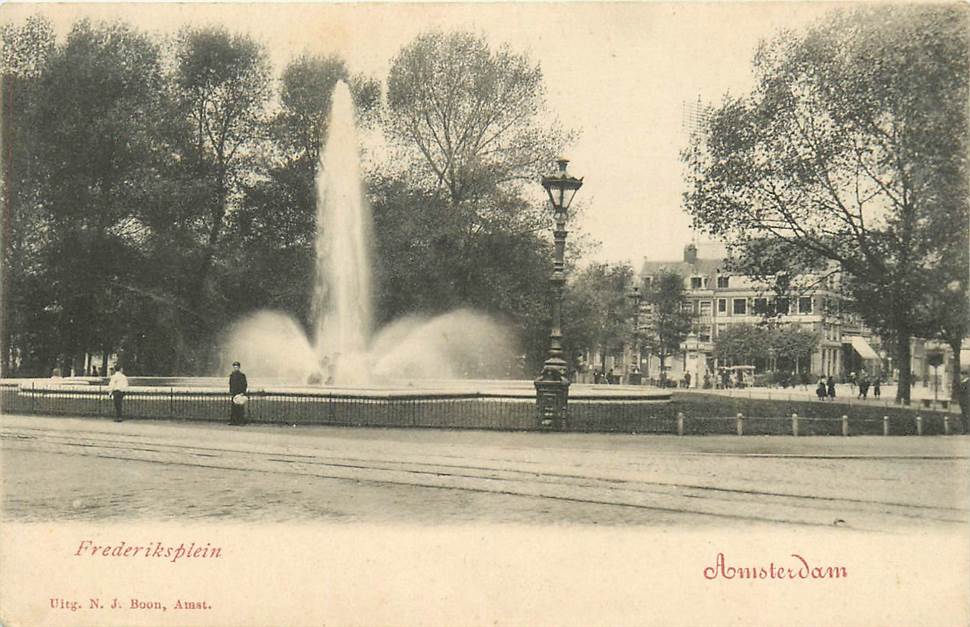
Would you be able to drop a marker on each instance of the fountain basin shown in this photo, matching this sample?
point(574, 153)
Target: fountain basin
point(474, 404)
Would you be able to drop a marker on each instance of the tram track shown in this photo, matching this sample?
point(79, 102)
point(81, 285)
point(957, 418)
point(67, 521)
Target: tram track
point(496, 476)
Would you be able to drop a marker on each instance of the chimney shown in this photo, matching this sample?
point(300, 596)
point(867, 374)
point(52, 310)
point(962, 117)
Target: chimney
point(690, 253)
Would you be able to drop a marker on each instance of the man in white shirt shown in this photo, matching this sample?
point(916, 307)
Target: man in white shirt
point(116, 387)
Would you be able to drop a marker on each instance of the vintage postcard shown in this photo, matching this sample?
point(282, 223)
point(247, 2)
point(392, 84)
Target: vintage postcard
point(548, 313)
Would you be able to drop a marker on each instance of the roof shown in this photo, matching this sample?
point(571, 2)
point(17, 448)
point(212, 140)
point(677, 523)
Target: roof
point(699, 267)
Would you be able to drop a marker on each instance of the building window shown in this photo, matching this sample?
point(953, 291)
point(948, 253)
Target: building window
point(740, 306)
point(705, 307)
point(705, 334)
point(722, 305)
point(782, 306)
point(695, 283)
point(722, 281)
point(761, 306)
point(805, 305)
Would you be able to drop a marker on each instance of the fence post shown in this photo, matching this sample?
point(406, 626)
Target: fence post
point(919, 425)
point(740, 424)
point(171, 402)
point(33, 393)
point(794, 424)
point(946, 425)
point(680, 423)
point(845, 425)
point(885, 425)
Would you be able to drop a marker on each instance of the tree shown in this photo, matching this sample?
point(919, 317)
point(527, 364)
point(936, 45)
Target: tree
point(223, 87)
point(470, 127)
point(472, 119)
point(93, 156)
point(791, 347)
point(669, 321)
point(851, 149)
point(24, 52)
point(597, 310)
point(740, 344)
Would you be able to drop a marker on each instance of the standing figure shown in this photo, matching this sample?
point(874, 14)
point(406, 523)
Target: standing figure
point(237, 392)
point(876, 390)
point(116, 388)
point(830, 384)
point(820, 391)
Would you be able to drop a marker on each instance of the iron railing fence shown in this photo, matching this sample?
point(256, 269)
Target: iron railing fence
point(469, 411)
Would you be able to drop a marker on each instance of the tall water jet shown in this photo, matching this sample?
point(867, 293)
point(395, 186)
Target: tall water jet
point(342, 300)
point(272, 346)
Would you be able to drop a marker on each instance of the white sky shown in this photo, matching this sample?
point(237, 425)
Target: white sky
point(618, 73)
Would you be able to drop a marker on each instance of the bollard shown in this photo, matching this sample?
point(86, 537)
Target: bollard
point(946, 425)
point(794, 425)
point(885, 425)
point(740, 424)
point(845, 425)
point(919, 425)
point(680, 423)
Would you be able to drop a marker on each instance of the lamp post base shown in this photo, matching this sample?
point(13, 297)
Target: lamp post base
point(551, 399)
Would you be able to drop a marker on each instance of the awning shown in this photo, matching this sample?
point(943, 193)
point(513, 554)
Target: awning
point(862, 347)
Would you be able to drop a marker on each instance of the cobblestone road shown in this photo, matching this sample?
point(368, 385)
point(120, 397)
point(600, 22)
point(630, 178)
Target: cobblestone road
point(92, 469)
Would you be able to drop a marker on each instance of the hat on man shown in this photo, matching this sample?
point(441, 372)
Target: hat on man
point(235, 363)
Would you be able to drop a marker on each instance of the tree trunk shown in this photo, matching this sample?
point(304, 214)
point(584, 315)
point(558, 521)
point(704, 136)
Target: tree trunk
point(903, 360)
point(957, 393)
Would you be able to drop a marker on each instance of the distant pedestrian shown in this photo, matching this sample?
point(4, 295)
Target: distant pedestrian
point(610, 377)
point(820, 390)
point(117, 386)
point(830, 387)
point(852, 381)
point(876, 389)
point(863, 386)
point(237, 392)
point(687, 380)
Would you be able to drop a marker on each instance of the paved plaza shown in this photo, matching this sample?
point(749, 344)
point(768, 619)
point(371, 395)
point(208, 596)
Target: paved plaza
point(95, 469)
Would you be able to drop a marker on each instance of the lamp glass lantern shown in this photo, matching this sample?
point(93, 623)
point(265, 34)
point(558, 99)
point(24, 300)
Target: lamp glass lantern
point(561, 187)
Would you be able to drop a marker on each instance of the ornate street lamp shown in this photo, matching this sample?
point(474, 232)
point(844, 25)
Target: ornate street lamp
point(552, 386)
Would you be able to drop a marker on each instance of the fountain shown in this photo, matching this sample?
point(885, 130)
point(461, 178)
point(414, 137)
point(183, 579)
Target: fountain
point(457, 369)
point(343, 351)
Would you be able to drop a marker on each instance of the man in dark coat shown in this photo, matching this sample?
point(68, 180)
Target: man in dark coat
point(237, 386)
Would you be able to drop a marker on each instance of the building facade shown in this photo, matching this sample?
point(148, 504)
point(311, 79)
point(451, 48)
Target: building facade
point(720, 299)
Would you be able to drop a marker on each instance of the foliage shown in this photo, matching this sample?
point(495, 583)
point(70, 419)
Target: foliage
point(598, 310)
point(158, 188)
point(471, 119)
point(669, 321)
point(740, 344)
point(791, 347)
point(222, 86)
point(852, 149)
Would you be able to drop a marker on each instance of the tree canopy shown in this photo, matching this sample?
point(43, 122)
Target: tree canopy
point(851, 148)
point(157, 188)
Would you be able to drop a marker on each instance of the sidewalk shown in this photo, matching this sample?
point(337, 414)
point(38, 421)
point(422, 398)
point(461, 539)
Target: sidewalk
point(844, 393)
